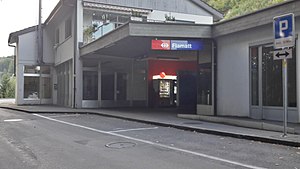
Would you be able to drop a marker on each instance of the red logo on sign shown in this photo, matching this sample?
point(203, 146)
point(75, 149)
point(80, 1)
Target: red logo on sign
point(161, 44)
point(162, 75)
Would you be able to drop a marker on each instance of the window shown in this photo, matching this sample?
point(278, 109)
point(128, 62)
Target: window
point(34, 76)
point(107, 87)
point(90, 85)
point(68, 28)
point(264, 67)
point(205, 84)
point(46, 87)
point(31, 87)
point(57, 36)
point(32, 69)
point(121, 86)
point(254, 75)
point(271, 78)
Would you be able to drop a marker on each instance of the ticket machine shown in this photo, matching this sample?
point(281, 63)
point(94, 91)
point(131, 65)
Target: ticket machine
point(165, 90)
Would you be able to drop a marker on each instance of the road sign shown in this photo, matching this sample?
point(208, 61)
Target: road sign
point(283, 54)
point(284, 31)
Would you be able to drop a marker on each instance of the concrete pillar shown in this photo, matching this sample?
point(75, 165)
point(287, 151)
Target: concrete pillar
point(99, 84)
point(115, 86)
point(298, 74)
point(132, 83)
point(79, 84)
point(19, 84)
point(78, 75)
point(54, 82)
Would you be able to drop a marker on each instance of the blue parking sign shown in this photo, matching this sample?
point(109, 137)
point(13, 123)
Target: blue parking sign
point(284, 28)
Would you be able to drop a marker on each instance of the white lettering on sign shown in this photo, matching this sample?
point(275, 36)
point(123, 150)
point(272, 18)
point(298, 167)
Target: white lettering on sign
point(186, 46)
point(283, 26)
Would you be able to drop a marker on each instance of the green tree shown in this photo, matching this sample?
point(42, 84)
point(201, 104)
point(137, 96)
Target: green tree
point(7, 86)
point(7, 64)
point(233, 8)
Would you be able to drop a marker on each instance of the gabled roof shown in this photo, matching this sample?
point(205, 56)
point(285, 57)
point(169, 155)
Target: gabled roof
point(217, 15)
point(13, 37)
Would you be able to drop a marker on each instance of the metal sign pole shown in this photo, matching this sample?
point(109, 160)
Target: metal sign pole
point(284, 38)
point(285, 95)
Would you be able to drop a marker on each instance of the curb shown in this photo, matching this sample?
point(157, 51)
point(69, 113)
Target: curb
point(239, 123)
point(186, 128)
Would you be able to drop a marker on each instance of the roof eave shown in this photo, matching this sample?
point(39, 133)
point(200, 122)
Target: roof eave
point(12, 38)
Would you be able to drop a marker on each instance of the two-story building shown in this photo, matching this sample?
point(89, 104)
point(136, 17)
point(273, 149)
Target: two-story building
point(109, 53)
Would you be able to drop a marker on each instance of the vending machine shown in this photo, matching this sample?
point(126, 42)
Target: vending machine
point(165, 91)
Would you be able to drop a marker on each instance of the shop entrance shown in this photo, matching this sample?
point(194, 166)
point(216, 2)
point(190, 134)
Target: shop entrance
point(173, 84)
point(176, 91)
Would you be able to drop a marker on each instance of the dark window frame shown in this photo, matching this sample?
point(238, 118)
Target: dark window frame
point(68, 28)
point(57, 36)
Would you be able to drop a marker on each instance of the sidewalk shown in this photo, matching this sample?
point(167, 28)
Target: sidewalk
point(170, 119)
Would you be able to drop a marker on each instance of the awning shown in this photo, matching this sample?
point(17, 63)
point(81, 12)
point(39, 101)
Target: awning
point(134, 38)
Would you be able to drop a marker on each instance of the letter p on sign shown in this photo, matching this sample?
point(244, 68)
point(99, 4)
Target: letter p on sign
point(283, 26)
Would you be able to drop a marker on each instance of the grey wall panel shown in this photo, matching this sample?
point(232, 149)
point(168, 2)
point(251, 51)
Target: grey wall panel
point(171, 30)
point(233, 70)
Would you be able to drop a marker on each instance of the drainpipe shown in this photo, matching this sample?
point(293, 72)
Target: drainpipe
point(40, 49)
point(215, 76)
point(75, 56)
point(15, 61)
point(40, 36)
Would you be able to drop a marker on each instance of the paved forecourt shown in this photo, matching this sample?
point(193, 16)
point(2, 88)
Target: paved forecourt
point(59, 139)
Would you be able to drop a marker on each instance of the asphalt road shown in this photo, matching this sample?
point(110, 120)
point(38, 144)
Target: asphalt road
point(72, 141)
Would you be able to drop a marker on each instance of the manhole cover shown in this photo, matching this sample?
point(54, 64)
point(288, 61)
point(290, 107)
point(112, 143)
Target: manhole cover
point(192, 123)
point(120, 145)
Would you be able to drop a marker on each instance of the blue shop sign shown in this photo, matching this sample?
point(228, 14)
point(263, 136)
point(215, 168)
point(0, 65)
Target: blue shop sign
point(186, 45)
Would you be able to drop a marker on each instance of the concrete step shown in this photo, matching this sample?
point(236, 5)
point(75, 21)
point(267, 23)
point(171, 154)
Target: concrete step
point(238, 122)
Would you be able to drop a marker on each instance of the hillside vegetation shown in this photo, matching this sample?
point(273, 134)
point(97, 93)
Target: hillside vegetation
point(7, 80)
point(232, 8)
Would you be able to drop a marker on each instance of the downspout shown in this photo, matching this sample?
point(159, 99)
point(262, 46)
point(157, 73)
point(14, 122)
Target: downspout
point(75, 55)
point(15, 61)
point(15, 65)
point(40, 36)
point(40, 61)
point(215, 74)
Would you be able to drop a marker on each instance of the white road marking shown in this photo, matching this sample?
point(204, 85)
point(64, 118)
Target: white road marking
point(136, 129)
point(153, 143)
point(67, 115)
point(13, 120)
